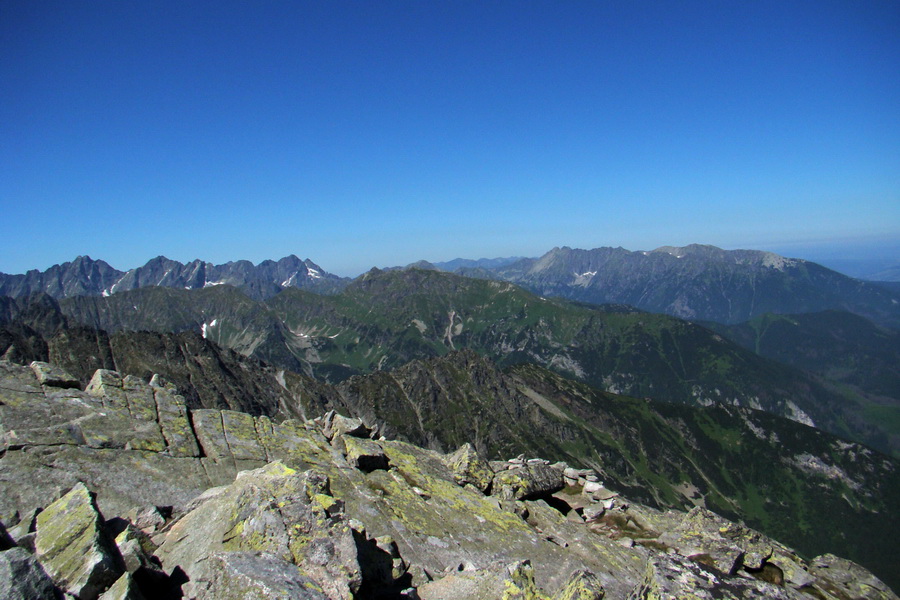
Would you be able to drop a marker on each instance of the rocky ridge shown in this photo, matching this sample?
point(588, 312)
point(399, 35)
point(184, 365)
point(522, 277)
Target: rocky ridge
point(122, 491)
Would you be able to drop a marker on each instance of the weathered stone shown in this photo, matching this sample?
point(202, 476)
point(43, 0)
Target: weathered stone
point(364, 454)
point(840, 576)
point(71, 546)
point(240, 434)
point(336, 425)
point(503, 582)
point(133, 546)
point(141, 403)
point(526, 482)
point(124, 588)
point(725, 545)
point(583, 585)
point(243, 575)
point(108, 385)
point(674, 577)
point(173, 420)
point(267, 510)
point(469, 468)
point(593, 511)
point(22, 578)
point(53, 376)
point(149, 519)
point(210, 433)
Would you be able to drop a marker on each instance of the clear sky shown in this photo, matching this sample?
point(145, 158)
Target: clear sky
point(377, 133)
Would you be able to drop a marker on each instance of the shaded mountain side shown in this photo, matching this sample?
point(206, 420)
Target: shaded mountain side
point(205, 374)
point(87, 277)
point(835, 344)
point(862, 358)
point(699, 282)
point(386, 319)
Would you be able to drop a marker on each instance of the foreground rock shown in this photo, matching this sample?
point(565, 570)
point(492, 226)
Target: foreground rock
point(122, 492)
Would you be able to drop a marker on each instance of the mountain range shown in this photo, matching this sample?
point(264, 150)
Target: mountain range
point(697, 282)
point(87, 277)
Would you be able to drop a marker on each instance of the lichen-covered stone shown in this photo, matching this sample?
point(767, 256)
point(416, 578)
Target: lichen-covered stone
point(496, 581)
point(124, 588)
point(364, 454)
point(244, 575)
point(842, 577)
point(469, 468)
point(240, 433)
point(725, 545)
point(675, 577)
point(173, 420)
point(107, 385)
point(336, 425)
point(53, 376)
point(22, 578)
point(267, 510)
point(527, 481)
point(583, 585)
point(71, 546)
point(211, 433)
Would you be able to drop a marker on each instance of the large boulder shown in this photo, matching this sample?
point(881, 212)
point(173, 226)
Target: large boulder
point(527, 481)
point(273, 511)
point(73, 548)
point(470, 469)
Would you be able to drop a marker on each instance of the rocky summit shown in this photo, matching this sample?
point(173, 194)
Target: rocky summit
point(120, 491)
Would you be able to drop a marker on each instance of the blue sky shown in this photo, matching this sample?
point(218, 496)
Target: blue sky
point(364, 134)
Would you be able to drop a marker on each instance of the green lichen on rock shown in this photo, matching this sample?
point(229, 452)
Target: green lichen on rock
point(173, 420)
point(211, 433)
point(583, 585)
point(469, 468)
point(268, 510)
point(71, 546)
point(527, 481)
point(240, 434)
point(53, 376)
point(364, 454)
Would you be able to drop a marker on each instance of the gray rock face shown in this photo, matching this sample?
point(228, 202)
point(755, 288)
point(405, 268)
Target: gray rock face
point(53, 376)
point(23, 578)
point(240, 575)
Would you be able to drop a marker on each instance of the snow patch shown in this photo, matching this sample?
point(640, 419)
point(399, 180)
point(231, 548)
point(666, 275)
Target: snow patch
point(105, 293)
point(213, 283)
point(583, 279)
point(314, 273)
point(203, 330)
